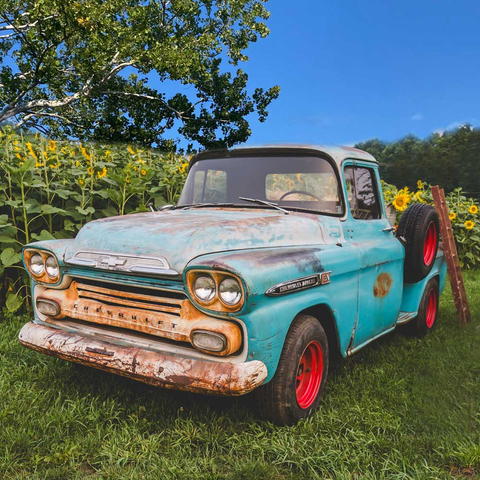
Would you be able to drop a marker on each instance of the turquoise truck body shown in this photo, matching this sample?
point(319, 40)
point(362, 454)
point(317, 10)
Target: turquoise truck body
point(349, 273)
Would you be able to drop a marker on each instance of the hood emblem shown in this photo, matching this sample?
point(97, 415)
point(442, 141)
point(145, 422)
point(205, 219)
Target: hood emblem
point(122, 262)
point(113, 262)
point(299, 284)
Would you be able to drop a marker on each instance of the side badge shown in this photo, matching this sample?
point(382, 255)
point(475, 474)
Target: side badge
point(299, 284)
point(325, 278)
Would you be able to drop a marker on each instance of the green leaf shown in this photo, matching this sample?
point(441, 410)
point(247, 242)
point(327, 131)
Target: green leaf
point(85, 211)
point(33, 206)
point(63, 234)
point(6, 239)
point(44, 235)
point(9, 257)
point(4, 221)
point(49, 210)
point(101, 193)
point(114, 195)
point(63, 193)
point(110, 211)
point(14, 302)
point(69, 225)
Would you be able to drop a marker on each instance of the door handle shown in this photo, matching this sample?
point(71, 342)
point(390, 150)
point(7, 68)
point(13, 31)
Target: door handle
point(388, 229)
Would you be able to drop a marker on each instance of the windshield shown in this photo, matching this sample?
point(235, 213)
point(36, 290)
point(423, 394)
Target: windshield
point(292, 182)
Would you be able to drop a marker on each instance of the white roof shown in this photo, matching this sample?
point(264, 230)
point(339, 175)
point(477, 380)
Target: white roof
point(337, 152)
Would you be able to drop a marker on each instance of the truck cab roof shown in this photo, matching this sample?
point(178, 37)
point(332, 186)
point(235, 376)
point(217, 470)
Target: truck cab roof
point(335, 152)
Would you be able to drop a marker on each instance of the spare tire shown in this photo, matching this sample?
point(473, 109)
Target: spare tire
point(419, 232)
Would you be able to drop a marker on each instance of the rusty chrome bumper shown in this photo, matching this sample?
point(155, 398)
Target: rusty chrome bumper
point(164, 370)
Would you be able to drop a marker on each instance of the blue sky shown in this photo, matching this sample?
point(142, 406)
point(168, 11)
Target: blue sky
point(352, 70)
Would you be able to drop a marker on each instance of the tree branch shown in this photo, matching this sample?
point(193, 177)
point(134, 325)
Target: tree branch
point(27, 25)
point(32, 115)
point(13, 109)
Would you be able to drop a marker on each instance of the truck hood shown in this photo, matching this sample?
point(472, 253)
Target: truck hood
point(182, 235)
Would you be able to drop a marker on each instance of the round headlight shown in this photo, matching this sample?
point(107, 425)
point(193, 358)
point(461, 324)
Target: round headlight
point(36, 264)
point(204, 288)
point(230, 291)
point(51, 266)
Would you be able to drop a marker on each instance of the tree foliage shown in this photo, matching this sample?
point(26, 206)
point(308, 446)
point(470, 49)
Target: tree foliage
point(450, 159)
point(85, 69)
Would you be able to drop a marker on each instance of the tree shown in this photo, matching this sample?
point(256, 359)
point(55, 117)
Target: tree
point(84, 68)
point(450, 159)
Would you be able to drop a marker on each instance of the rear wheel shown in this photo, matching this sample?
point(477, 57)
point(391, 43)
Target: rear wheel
point(296, 389)
point(427, 313)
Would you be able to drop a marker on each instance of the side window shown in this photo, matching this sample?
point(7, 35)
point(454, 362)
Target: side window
point(210, 186)
point(362, 193)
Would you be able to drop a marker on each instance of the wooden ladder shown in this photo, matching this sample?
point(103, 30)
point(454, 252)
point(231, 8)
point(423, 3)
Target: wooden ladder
point(451, 256)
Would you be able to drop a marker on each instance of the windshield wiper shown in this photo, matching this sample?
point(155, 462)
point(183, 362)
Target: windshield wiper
point(200, 205)
point(264, 202)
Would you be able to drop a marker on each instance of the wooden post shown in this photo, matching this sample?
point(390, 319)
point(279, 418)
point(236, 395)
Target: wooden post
point(451, 256)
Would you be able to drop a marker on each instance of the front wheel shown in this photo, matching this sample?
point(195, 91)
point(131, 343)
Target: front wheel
point(296, 389)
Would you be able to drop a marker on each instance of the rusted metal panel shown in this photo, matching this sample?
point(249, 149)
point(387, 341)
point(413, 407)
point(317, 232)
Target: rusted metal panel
point(382, 285)
point(154, 315)
point(199, 232)
point(169, 371)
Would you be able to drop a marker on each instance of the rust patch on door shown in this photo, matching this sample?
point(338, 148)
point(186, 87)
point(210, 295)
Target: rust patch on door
point(383, 284)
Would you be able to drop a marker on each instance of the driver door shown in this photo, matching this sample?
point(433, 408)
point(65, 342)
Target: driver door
point(380, 285)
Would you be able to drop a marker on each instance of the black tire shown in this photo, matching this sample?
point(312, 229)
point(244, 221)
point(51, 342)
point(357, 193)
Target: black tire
point(419, 232)
point(278, 400)
point(426, 320)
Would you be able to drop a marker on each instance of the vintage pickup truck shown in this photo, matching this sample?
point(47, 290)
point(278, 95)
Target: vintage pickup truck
point(274, 260)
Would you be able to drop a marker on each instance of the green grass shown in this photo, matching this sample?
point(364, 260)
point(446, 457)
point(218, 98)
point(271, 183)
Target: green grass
point(400, 408)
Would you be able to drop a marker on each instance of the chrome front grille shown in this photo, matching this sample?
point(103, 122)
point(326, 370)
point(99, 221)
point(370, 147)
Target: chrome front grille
point(143, 299)
point(163, 313)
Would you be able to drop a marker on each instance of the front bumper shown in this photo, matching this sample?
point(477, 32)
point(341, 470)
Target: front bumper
point(159, 369)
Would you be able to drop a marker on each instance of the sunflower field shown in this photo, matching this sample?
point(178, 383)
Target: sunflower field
point(50, 189)
point(463, 214)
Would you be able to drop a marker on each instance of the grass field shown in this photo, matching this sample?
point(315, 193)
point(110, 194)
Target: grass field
point(400, 408)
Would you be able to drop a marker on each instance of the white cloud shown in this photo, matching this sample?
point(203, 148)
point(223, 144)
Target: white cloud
point(455, 125)
point(417, 117)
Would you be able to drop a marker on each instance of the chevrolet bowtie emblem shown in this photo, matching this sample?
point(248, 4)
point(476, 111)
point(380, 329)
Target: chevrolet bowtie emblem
point(113, 261)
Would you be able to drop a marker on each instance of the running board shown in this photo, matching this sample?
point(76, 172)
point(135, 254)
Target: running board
point(404, 317)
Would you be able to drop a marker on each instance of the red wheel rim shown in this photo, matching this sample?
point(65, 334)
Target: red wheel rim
point(309, 374)
point(430, 244)
point(431, 308)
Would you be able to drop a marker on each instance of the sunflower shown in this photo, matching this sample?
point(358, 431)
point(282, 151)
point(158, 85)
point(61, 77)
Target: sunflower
point(420, 185)
point(143, 172)
point(102, 173)
point(419, 197)
point(31, 151)
point(473, 209)
point(469, 224)
point(80, 182)
point(400, 202)
point(452, 216)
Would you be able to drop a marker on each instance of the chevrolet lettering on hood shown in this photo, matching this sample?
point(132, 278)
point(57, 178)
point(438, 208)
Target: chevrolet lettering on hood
point(273, 259)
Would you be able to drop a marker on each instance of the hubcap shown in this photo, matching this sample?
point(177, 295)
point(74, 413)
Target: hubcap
point(431, 308)
point(430, 244)
point(309, 374)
